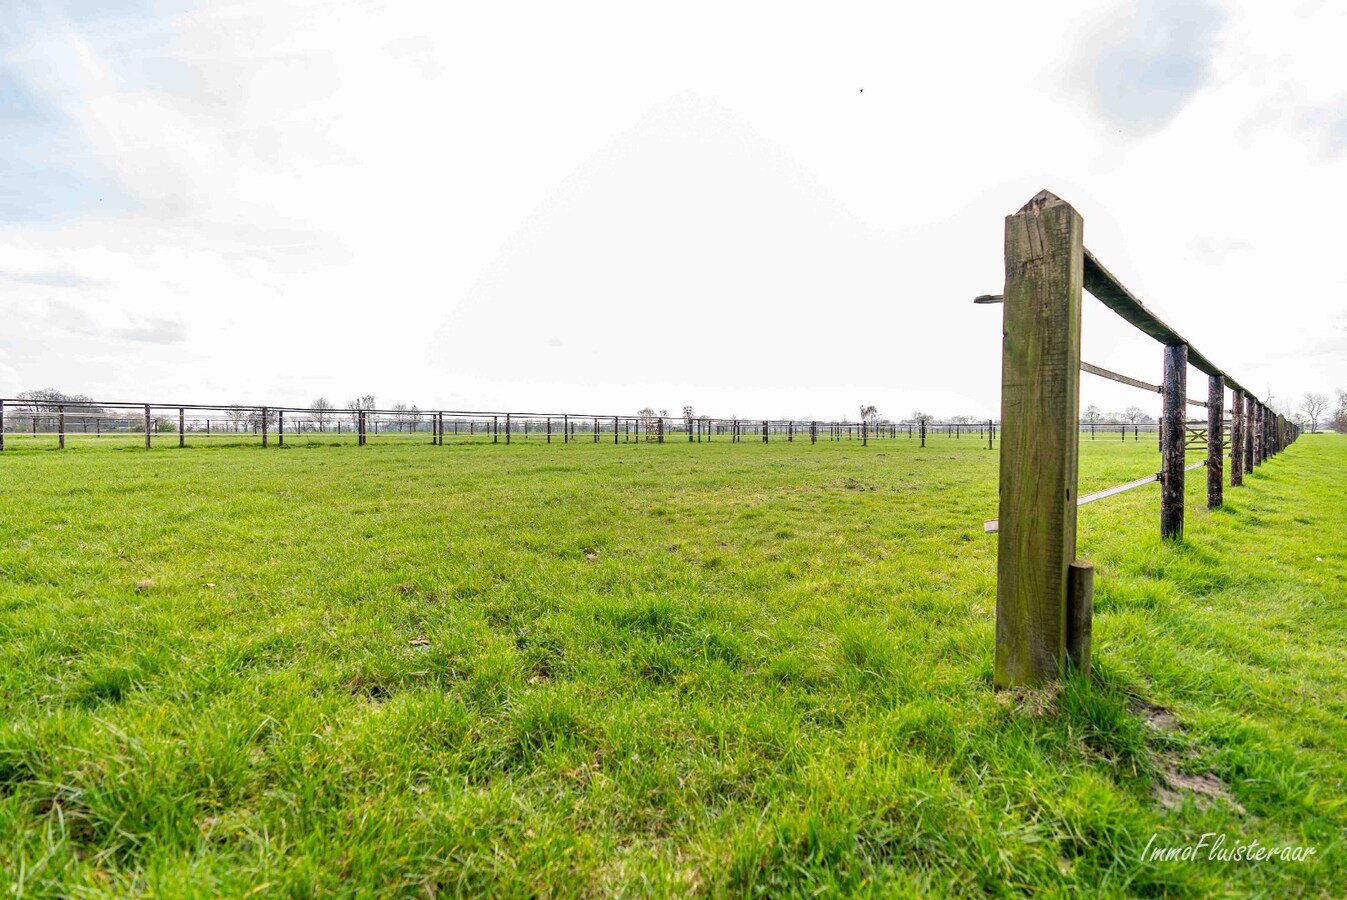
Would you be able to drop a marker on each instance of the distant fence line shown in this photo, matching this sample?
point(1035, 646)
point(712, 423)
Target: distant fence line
point(180, 421)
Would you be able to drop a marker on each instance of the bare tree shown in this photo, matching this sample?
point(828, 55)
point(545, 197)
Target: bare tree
point(255, 419)
point(236, 416)
point(869, 413)
point(1314, 406)
point(1133, 414)
point(322, 412)
point(919, 418)
point(1340, 414)
point(688, 417)
point(1092, 415)
point(45, 403)
point(363, 403)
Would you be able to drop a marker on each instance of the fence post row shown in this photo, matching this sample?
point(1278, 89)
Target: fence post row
point(1040, 401)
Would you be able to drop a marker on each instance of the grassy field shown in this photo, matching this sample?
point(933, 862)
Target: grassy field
point(724, 669)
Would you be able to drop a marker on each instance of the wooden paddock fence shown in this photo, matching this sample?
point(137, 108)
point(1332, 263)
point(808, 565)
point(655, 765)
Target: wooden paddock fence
point(182, 424)
point(1044, 595)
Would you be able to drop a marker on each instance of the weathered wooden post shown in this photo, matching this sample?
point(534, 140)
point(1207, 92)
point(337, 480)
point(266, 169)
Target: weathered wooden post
point(1256, 426)
point(507, 428)
point(923, 426)
point(182, 427)
point(615, 432)
point(1237, 439)
point(764, 431)
point(813, 432)
point(989, 434)
point(148, 425)
point(1175, 436)
point(1215, 440)
point(1079, 615)
point(659, 421)
point(2, 426)
point(1040, 401)
point(1249, 403)
point(865, 437)
point(60, 427)
point(596, 429)
point(566, 429)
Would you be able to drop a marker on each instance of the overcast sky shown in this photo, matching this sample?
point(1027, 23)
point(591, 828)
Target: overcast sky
point(757, 209)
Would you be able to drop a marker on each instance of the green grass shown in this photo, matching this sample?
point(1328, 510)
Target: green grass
point(587, 669)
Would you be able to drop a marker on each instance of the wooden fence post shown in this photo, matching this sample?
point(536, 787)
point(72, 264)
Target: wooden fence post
point(1175, 437)
point(60, 427)
point(923, 426)
point(280, 428)
point(1256, 426)
point(1215, 440)
point(1040, 403)
point(1237, 439)
point(147, 426)
point(1079, 615)
point(182, 427)
point(2, 426)
point(764, 431)
point(660, 423)
point(1248, 433)
point(507, 428)
point(566, 429)
point(264, 426)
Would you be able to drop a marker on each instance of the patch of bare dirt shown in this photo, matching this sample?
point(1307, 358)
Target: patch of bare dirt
point(1176, 786)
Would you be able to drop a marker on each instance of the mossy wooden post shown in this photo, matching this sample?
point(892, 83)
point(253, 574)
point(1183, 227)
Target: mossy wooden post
point(1079, 615)
point(1256, 427)
point(1040, 400)
point(1175, 437)
point(1237, 439)
point(1248, 433)
point(1215, 440)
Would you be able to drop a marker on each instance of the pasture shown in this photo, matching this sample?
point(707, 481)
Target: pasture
point(649, 669)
